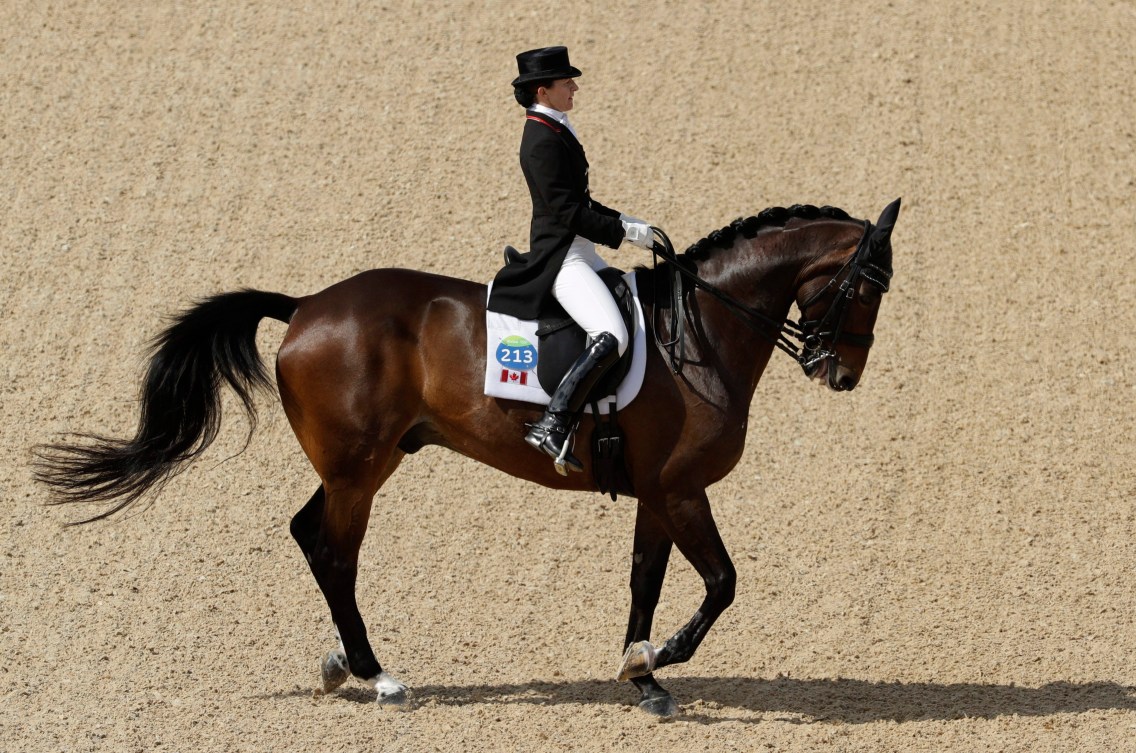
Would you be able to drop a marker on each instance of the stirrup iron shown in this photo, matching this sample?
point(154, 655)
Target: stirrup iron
point(560, 461)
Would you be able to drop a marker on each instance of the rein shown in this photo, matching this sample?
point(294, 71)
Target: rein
point(810, 334)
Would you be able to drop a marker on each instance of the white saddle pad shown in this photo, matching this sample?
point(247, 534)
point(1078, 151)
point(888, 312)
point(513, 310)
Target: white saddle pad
point(512, 352)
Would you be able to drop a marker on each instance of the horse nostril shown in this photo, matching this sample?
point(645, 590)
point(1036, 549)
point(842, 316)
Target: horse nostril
point(845, 382)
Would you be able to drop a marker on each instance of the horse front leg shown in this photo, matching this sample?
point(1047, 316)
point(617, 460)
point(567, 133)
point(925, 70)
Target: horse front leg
point(650, 554)
point(690, 525)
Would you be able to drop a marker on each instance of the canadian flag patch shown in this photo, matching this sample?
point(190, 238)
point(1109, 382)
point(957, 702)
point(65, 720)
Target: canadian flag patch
point(514, 377)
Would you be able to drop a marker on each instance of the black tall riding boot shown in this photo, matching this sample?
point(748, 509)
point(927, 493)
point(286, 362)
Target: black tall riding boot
point(552, 433)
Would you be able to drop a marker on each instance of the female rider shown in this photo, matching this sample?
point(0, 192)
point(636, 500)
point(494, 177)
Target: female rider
point(562, 261)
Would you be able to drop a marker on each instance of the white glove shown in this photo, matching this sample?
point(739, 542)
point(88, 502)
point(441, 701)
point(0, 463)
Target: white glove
point(639, 233)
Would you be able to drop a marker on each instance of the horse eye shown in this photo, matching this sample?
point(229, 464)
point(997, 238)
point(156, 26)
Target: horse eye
point(869, 295)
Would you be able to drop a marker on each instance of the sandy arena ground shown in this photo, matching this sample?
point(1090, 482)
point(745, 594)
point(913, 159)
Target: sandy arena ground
point(940, 560)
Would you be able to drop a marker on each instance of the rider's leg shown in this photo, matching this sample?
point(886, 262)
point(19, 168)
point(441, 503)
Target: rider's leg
point(585, 297)
point(587, 300)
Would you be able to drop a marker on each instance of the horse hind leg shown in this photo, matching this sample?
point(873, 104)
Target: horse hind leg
point(305, 530)
point(329, 530)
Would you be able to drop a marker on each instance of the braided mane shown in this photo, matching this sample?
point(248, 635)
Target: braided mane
point(660, 290)
point(749, 226)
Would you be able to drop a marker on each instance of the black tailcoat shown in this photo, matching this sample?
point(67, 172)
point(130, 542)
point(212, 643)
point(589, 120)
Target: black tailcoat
point(556, 171)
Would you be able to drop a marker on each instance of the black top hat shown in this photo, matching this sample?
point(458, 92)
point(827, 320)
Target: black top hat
point(545, 64)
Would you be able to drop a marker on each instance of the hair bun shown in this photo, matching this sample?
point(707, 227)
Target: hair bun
point(524, 96)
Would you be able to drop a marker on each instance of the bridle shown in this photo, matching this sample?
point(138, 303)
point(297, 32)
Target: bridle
point(830, 327)
point(811, 335)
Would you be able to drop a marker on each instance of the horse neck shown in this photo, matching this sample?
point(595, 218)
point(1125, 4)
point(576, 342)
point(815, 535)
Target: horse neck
point(763, 273)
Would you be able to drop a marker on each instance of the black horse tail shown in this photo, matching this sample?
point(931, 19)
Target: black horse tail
point(213, 341)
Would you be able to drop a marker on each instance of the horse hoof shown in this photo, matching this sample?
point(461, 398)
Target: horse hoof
point(662, 706)
point(334, 670)
point(391, 692)
point(638, 660)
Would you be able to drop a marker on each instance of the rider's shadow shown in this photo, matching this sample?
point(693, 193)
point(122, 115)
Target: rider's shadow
point(808, 701)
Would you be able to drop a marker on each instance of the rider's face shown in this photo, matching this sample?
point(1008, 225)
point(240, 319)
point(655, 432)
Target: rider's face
point(558, 95)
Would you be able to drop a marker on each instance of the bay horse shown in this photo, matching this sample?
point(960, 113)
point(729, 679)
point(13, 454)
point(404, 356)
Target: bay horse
point(382, 364)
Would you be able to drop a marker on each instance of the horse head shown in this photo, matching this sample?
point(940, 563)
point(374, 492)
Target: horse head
point(839, 298)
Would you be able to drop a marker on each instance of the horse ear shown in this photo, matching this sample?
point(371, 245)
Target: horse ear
point(888, 217)
point(884, 225)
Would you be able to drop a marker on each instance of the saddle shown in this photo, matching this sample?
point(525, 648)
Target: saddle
point(562, 340)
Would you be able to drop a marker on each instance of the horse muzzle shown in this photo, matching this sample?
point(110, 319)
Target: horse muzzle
point(841, 378)
point(825, 367)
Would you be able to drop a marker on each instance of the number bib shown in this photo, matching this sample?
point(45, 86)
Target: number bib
point(516, 353)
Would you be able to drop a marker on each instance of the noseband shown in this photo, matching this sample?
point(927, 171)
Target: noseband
point(812, 334)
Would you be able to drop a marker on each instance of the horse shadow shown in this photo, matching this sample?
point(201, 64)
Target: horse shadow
point(802, 701)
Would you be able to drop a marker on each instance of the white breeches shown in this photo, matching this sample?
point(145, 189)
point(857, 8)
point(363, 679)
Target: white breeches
point(585, 297)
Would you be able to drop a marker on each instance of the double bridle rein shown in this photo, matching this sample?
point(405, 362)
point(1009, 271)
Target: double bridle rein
point(817, 338)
